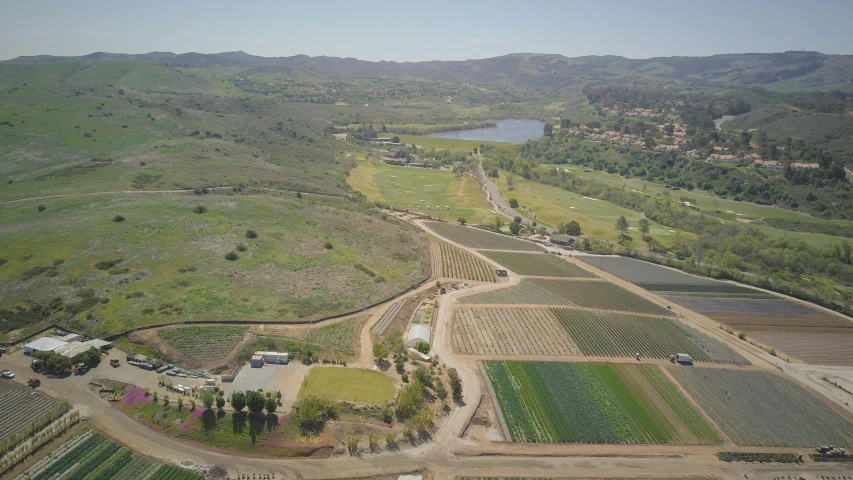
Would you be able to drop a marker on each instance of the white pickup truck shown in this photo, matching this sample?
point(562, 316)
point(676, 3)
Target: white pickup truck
point(7, 374)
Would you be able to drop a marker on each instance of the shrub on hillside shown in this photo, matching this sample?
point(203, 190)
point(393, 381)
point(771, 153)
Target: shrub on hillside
point(231, 256)
point(118, 218)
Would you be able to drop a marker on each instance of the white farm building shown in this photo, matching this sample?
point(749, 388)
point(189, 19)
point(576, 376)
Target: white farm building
point(418, 332)
point(69, 348)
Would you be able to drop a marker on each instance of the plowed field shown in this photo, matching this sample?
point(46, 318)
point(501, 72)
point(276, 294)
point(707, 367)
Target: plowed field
point(762, 409)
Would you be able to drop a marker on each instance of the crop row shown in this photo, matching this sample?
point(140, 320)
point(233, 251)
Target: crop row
point(525, 293)
point(203, 341)
point(601, 295)
point(475, 238)
point(91, 456)
point(721, 288)
point(718, 352)
point(762, 409)
point(32, 409)
point(457, 263)
point(338, 336)
point(510, 331)
point(538, 265)
point(593, 403)
point(170, 472)
point(599, 334)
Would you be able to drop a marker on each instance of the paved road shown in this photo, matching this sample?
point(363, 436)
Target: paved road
point(497, 199)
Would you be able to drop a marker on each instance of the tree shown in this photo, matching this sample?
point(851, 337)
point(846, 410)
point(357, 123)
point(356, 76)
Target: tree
point(513, 203)
point(422, 347)
point(313, 412)
point(498, 224)
point(510, 180)
point(515, 228)
point(238, 401)
point(669, 129)
point(255, 401)
point(91, 357)
point(455, 383)
point(565, 123)
point(220, 402)
point(395, 139)
point(643, 225)
point(270, 405)
point(380, 351)
point(54, 363)
point(573, 228)
point(516, 219)
point(207, 399)
point(409, 400)
point(440, 389)
point(548, 130)
point(462, 221)
point(621, 224)
point(180, 403)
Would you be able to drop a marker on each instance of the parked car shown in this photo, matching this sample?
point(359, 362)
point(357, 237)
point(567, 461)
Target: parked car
point(7, 374)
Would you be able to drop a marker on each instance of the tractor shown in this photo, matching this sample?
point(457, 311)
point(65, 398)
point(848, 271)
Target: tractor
point(34, 382)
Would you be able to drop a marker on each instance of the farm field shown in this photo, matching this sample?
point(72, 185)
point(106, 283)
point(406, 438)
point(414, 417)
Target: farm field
point(601, 295)
point(553, 205)
point(525, 293)
point(348, 384)
point(472, 237)
point(510, 331)
point(555, 402)
point(31, 408)
point(569, 331)
point(815, 348)
point(91, 455)
point(638, 271)
point(762, 409)
point(600, 334)
point(204, 342)
point(799, 331)
point(457, 263)
point(406, 188)
point(538, 265)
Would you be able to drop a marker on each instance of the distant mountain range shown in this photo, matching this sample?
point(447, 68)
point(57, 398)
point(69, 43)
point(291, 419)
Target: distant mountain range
point(788, 70)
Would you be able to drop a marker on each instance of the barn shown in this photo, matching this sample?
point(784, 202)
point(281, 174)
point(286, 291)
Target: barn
point(43, 344)
point(564, 240)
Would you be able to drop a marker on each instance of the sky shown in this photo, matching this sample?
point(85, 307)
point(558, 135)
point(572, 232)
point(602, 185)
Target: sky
point(425, 30)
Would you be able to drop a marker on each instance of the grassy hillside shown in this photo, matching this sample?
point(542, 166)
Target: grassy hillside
point(86, 141)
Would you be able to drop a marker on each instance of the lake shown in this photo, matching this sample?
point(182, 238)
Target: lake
point(510, 130)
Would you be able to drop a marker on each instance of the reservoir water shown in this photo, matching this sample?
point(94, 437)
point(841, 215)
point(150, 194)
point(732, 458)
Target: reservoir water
point(510, 130)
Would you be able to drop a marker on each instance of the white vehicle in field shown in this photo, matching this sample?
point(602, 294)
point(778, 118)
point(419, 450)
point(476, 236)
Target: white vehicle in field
point(7, 374)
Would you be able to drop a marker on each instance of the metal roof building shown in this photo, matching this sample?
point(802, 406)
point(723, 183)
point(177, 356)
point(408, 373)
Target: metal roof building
point(43, 344)
point(418, 332)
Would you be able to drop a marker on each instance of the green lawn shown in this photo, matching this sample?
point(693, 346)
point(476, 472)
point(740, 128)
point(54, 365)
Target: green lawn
point(349, 384)
point(407, 188)
point(553, 205)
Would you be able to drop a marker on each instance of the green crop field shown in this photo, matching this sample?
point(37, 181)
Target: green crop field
point(538, 265)
point(763, 409)
point(478, 238)
point(338, 336)
point(422, 189)
point(599, 334)
point(348, 384)
point(165, 263)
point(552, 205)
point(204, 342)
point(601, 295)
point(525, 293)
point(91, 455)
point(553, 402)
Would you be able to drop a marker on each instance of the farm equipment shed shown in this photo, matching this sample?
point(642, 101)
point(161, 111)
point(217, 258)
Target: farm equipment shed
point(564, 240)
point(44, 344)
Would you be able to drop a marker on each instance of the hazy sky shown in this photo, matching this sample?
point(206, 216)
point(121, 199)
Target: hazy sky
point(425, 30)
